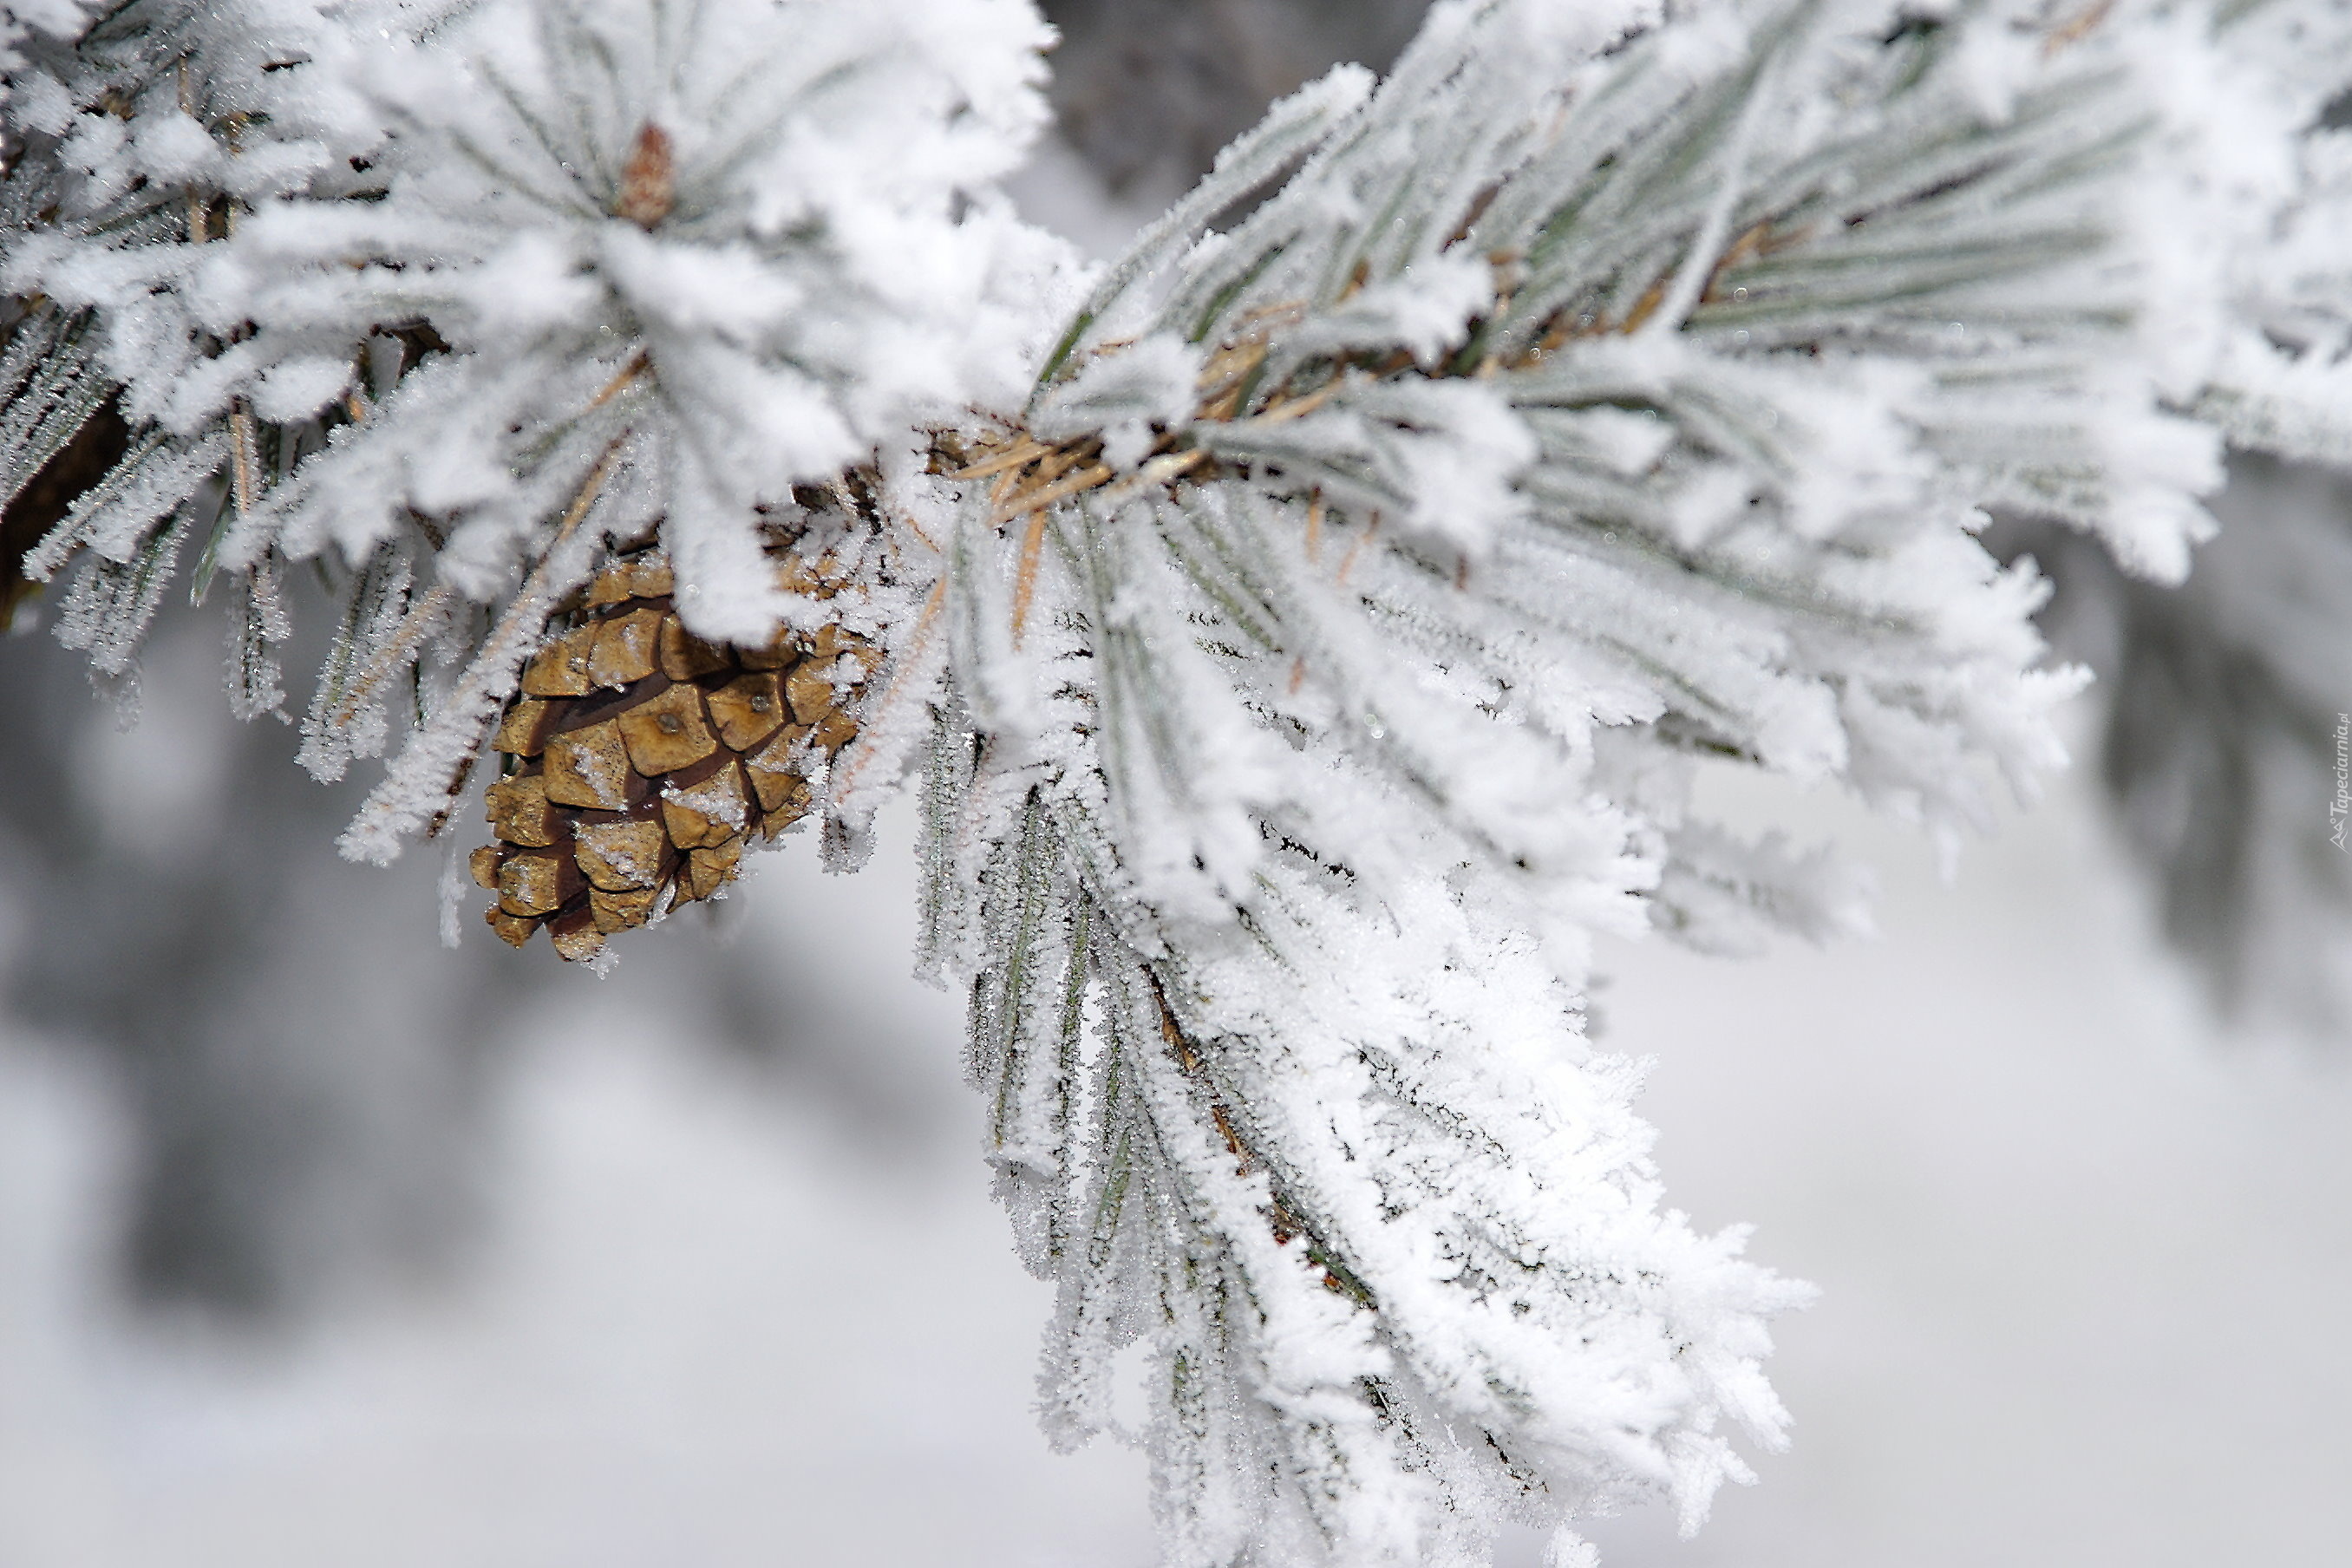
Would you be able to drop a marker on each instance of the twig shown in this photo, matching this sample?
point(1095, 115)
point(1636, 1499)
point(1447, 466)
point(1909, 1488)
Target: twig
point(1024, 582)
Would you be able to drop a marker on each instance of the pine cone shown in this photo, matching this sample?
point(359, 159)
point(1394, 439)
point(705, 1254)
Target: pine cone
point(640, 761)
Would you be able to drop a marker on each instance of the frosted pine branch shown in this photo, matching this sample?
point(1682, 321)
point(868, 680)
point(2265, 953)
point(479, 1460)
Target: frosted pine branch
point(1308, 630)
point(1571, 415)
point(1463, 440)
point(409, 280)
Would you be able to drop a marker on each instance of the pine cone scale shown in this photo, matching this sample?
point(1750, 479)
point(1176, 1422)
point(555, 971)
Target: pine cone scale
point(524, 731)
point(747, 709)
point(520, 811)
point(667, 733)
point(623, 650)
point(589, 768)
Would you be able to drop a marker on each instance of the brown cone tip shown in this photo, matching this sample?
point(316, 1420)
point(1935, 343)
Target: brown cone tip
point(639, 761)
point(648, 180)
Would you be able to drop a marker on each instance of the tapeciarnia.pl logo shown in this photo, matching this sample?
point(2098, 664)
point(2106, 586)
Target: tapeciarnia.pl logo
point(2340, 808)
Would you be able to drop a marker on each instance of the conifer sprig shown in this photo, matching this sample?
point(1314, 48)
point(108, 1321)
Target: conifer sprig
point(1304, 653)
point(1578, 408)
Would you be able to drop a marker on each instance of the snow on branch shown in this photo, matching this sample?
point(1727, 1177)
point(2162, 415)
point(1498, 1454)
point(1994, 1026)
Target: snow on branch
point(1557, 393)
point(1309, 633)
point(1381, 557)
point(436, 280)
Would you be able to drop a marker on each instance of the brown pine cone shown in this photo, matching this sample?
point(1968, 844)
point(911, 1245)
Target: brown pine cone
point(640, 760)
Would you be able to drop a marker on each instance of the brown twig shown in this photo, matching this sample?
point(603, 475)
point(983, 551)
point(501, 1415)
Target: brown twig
point(1024, 584)
point(1284, 1221)
point(2076, 28)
